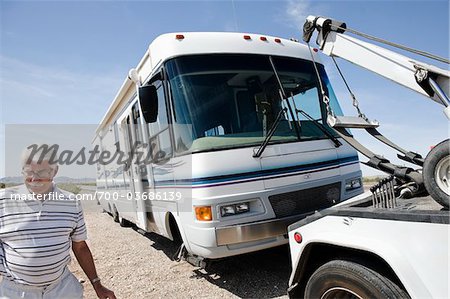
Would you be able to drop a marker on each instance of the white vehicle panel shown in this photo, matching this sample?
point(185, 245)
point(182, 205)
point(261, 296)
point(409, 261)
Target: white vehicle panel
point(167, 45)
point(416, 251)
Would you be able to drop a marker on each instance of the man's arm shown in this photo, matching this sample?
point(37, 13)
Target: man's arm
point(84, 257)
point(2, 260)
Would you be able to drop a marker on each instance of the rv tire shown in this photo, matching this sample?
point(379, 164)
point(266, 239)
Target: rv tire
point(124, 222)
point(115, 214)
point(175, 231)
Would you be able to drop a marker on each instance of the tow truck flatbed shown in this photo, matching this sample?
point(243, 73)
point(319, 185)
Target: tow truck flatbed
point(418, 209)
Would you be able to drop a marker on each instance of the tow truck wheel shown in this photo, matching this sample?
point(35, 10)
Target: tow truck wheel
point(436, 173)
point(345, 279)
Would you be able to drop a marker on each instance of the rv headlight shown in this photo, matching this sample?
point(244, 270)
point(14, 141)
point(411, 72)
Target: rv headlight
point(234, 209)
point(242, 207)
point(352, 184)
point(227, 210)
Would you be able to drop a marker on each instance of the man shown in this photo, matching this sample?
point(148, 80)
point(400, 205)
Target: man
point(39, 224)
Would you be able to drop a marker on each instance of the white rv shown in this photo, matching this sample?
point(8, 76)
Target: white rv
point(235, 128)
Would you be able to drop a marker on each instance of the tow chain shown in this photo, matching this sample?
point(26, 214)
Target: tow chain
point(355, 102)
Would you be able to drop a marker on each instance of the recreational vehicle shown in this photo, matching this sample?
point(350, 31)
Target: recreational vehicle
point(224, 142)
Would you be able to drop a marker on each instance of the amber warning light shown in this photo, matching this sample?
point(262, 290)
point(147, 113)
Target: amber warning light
point(203, 213)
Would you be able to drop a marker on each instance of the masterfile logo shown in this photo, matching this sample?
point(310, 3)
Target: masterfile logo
point(140, 153)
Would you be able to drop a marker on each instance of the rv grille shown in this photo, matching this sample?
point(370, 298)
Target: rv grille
point(305, 201)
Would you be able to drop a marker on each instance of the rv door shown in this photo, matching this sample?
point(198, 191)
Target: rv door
point(137, 171)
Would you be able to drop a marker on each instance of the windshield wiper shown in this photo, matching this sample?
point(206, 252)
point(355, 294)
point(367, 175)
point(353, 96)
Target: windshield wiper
point(321, 127)
point(269, 135)
point(284, 97)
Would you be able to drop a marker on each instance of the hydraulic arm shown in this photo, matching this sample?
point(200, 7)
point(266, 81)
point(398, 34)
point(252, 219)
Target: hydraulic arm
point(425, 79)
point(428, 80)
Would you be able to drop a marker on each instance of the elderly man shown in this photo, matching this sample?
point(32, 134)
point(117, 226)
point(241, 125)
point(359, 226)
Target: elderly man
point(38, 225)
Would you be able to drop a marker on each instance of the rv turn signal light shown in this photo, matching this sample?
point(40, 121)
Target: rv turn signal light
point(203, 213)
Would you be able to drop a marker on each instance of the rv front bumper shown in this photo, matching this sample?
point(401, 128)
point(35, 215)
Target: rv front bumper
point(254, 231)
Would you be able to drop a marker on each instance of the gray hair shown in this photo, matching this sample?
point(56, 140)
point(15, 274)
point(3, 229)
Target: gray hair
point(39, 152)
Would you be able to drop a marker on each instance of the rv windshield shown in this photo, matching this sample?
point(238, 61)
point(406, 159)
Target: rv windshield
point(229, 100)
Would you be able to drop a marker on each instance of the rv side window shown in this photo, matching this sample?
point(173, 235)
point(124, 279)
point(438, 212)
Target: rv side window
point(159, 131)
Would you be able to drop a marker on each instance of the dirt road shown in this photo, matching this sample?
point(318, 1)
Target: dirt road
point(137, 266)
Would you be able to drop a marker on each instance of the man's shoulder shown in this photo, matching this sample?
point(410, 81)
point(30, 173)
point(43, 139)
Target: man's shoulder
point(15, 199)
point(11, 192)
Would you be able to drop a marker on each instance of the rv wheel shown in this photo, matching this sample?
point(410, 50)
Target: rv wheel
point(124, 222)
point(115, 214)
point(436, 173)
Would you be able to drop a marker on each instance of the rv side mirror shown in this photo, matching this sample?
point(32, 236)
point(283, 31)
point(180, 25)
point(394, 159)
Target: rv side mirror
point(148, 99)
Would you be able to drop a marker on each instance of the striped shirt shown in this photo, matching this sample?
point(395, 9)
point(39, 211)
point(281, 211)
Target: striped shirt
point(36, 235)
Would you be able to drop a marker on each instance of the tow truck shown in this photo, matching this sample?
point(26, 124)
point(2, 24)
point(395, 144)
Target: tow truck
point(392, 241)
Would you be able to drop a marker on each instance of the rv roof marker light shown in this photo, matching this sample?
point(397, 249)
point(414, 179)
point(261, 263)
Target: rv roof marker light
point(298, 238)
point(247, 37)
point(179, 36)
point(315, 50)
point(277, 40)
point(263, 38)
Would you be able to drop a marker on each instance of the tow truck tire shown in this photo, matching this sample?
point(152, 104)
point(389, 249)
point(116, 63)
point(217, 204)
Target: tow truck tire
point(345, 279)
point(436, 173)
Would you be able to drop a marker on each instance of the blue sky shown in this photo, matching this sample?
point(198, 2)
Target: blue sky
point(62, 62)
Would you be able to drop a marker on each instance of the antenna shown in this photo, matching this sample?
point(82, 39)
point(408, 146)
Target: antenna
point(235, 16)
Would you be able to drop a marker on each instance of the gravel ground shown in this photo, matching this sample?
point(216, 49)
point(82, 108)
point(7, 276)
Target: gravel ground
point(137, 266)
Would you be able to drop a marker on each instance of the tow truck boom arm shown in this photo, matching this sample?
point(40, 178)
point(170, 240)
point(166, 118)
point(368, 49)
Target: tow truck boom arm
point(425, 79)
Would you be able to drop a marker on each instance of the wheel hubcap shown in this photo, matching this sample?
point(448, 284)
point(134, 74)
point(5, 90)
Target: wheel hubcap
point(442, 175)
point(341, 293)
